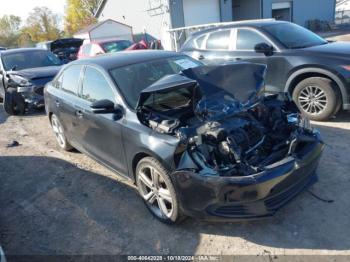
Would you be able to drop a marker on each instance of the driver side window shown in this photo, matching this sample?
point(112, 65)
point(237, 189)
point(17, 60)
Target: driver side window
point(247, 39)
point(96, 87)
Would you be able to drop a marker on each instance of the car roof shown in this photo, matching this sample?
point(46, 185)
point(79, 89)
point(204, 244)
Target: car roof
point(21, 50)
point(124, 58)
point(255, 24)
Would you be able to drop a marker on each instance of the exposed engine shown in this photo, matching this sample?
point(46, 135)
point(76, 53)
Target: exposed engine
point(243, 143)
point(224, 123)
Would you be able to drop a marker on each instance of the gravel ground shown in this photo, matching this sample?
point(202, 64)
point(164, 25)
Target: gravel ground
point(53, 202)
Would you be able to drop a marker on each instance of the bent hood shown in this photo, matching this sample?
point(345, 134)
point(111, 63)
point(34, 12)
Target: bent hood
point(66, 43)
point(244, 82)
point(38, 72)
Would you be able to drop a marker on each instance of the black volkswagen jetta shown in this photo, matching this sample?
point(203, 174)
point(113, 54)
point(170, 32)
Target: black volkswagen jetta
point(23, 75)
point(314, 72)
point(200, 141)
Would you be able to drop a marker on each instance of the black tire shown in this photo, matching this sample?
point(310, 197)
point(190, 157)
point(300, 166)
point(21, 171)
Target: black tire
point(59, 133)
point(14, 103)
point(317, 98)
point(165, 183)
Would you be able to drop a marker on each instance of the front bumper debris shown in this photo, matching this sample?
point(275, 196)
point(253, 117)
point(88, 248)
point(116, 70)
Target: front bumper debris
point(247, 197)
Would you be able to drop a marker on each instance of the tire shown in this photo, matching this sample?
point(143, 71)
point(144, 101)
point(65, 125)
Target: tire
point(14, 103)
point(317, 98)
point(59, 133)
point(157, 191)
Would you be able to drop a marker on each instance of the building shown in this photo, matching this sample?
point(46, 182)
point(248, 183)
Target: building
point(106, 29)
point(152, 18)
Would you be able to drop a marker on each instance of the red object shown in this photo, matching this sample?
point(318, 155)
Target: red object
point(95, 48)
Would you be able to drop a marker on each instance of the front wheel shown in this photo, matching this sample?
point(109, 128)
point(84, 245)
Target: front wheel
point(317, 98)
point(59, 133)
point(156, 189)
point(14, 103)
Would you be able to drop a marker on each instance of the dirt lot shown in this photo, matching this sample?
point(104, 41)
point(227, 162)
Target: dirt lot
point(52, 202)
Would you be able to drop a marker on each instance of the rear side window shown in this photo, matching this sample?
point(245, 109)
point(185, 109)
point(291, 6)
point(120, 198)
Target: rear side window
point(219, 40)
point(247, 39)
point(69, 80)
point(95, 86)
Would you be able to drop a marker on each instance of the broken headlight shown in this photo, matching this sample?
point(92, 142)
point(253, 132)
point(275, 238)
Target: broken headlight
point(22, 84)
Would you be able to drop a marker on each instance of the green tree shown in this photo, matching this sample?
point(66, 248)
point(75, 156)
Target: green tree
point(42, 25)
point(9, 30)
point(79, 14)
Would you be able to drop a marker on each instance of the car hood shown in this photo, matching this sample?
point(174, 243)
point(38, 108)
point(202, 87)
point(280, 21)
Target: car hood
point(38, 72)
point(340, 49)
point(243, 83)
point(74, 43)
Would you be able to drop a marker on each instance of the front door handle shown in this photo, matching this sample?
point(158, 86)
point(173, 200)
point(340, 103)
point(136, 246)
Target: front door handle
point(238, 59)
point(57, 102)
point(200, 57)
point(79, 114)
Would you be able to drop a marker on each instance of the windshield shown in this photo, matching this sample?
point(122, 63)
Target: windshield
point(29, 59)
point(116, 46)
point(132, 79)
point(293, 36)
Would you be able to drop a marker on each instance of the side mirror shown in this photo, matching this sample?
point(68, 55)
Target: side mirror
point(264, 48)
point(106, 106)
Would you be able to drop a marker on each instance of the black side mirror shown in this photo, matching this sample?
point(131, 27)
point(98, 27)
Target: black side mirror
point(106, 106)
point(264, 48)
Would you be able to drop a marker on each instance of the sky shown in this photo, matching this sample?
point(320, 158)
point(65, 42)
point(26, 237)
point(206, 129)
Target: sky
point(22, 8)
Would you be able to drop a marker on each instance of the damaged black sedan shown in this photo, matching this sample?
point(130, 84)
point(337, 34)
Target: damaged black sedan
point(199, 141)
point(23, 75)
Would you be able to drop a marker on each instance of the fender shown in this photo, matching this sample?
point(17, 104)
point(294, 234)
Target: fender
point(336, 78)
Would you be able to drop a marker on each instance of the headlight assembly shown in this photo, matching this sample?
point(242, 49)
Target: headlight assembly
point(22, 84)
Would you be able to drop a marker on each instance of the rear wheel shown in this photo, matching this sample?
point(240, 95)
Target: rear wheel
point(14, 103)
point(317, 98)
point(59, 133)
point(156, 189)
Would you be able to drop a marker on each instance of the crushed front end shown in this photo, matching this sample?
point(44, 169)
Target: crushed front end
point(241, 153)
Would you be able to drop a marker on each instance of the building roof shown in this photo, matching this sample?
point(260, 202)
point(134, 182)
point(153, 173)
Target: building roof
point(124, 58)
point(93, 26)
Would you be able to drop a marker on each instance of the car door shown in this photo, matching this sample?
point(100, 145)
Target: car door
point(245, 40)
point(214, 47)
point(100, 134)
point(65, 99)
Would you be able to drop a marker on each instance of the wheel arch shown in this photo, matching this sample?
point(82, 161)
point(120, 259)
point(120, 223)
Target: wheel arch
point(142, 154)
point(305, 73)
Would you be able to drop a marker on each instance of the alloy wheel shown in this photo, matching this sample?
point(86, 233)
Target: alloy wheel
point(312, 100)
point(58, 131)
point(155, 191)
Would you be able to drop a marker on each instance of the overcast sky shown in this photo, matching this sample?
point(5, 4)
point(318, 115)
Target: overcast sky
point(22, 8)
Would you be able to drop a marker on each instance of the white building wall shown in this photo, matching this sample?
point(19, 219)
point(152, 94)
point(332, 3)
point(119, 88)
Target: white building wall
point(111, 29)
point(137, 14)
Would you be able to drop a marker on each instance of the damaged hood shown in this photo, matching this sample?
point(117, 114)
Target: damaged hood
point(218, 89)
point(74, 43)
point(38, 72)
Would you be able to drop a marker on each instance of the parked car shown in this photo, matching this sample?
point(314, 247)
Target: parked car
point(91, 49)
point(23, 74)
point(66, 49)
point(2, 48)
point(314, 72)
point(200, 141)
